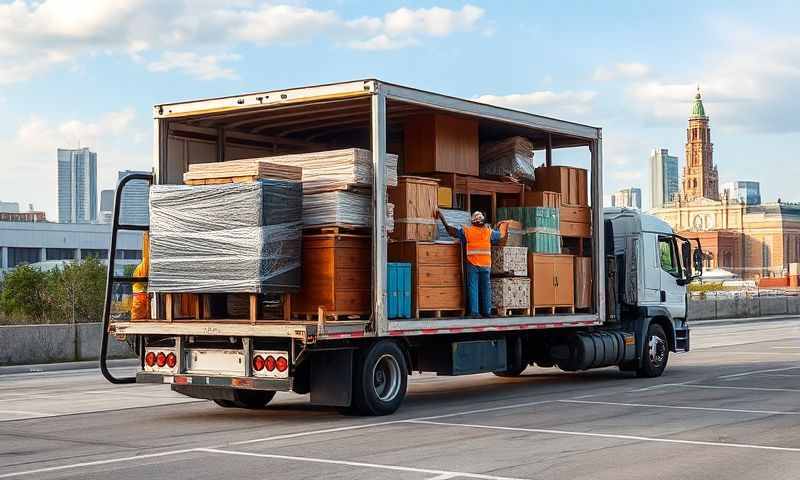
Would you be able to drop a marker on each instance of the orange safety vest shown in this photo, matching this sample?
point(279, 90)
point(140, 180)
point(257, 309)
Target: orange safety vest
point(479, 245)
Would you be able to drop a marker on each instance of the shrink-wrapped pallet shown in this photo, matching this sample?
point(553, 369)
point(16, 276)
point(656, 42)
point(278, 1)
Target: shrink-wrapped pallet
point(512, 157)
point(335, 169)
point(341, 209)
point(511, 261)
point(236, 237)
point(511, 292)
point(540, 226)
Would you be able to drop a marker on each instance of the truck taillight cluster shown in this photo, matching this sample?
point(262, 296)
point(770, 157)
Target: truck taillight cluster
point(270, 364)
point(156, 360)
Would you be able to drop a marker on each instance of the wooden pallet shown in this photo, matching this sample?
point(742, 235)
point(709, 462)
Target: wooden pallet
point(513, 312)
point(440, 313)
point(221, 180)
point(335, 316)
point(553, 309)
point(202, 310)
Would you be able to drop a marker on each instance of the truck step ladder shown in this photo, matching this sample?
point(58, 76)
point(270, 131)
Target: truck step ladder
point(111, 278)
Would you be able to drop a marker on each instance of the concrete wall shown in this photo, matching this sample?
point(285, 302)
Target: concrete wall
point(742, 307)
point(27, 344)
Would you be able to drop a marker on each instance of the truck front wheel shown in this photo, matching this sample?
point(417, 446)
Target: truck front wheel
point(380, 379)
point(655, 352)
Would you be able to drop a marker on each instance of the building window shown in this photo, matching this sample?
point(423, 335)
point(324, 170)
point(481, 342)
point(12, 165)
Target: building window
point(22, 255)
point(98, 253)
point(129, 255)
point(766, 261)
point(60, 253)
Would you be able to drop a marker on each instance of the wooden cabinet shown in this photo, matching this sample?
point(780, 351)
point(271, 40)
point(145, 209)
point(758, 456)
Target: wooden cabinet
point(441, 143)
point(336, 275)
point(552, 281)
point(437, 275)
point(570, 182)
point(414, 200)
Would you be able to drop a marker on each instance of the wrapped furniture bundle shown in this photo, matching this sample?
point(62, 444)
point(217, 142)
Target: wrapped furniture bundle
point(325, 171)
point(341, 208)
point(512, 157)
point(235, 237)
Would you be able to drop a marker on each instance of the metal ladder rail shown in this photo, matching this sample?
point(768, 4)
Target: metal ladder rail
point(111, 278)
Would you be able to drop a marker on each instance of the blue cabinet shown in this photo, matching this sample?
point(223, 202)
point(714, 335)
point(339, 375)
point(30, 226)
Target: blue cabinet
point(398, 290)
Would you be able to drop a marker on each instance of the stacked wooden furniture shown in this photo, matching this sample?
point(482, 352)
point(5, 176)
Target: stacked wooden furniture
point(583, 283)
point(336, 277)
point(440, 143)
point(499, 192)
point(415, 205)
point(511, 287)
point(552, 282)
point(571, 184)
point(239, 171)
point(437, 276)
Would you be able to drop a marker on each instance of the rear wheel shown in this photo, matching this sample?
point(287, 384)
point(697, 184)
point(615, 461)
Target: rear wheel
point(655, 353)
point(250, 399)
point(380, 379)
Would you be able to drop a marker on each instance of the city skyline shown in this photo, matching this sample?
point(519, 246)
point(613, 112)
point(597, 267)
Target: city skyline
point(77, 185)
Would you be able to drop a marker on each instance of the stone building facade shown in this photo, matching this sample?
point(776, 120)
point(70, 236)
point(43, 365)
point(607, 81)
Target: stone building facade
point(751, 240)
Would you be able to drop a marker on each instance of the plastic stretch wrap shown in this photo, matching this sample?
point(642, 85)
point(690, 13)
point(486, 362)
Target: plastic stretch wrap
point(455, 218)
point(236, 237)
point(337, 169)
point(341, 208)
point(512, 157)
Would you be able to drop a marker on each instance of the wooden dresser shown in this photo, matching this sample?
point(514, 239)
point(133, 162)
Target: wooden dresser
point(437, 275)
point(336, 276)
point(552, 282)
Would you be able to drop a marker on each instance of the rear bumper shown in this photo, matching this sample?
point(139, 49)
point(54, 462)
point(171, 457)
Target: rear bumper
point(249, 383)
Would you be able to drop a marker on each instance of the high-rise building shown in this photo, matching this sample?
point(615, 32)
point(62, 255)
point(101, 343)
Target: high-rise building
point(664, 181)
point(106, 206)
point(9, 207)
point(700, 177)
point(747, 192)
point(627, 198)
point(77, 186)
point(134, 207)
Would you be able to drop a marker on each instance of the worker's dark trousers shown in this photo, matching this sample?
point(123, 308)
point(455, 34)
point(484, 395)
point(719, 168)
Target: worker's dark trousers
point(479, 290)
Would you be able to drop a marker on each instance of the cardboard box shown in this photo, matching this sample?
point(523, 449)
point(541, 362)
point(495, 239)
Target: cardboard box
point(511, 292)
point(515, 235)
point(583, 282)
point(512, 261)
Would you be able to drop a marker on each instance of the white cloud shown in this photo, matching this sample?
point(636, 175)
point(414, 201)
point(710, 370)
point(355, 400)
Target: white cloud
point(620, 70)
point(544, 102)
point(36, 35)
point(206, 67)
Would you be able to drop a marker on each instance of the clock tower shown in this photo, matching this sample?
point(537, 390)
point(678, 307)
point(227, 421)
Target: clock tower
point(700, 177)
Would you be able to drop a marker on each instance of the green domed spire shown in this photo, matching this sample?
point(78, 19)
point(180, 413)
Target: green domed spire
point(697, 108)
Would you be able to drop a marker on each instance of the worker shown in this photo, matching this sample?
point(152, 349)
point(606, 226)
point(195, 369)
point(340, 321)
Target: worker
point(140, 303)
point(477, 239)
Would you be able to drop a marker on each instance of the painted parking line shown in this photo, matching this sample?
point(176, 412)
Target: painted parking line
point(682, 407)
point(609, 436)
point(397, 468)
point(755, 372)
point(722, 387)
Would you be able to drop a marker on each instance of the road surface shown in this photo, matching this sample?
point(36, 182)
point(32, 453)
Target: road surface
point(729, 409)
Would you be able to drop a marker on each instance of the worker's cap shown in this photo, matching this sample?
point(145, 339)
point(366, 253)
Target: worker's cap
point(477, 216)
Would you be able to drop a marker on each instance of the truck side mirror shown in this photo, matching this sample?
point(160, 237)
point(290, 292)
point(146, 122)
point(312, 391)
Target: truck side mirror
point(698, 262)
point(686, 253)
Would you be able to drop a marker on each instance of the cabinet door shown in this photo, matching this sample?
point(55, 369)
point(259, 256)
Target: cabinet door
point(565, 281)
point(543, 288)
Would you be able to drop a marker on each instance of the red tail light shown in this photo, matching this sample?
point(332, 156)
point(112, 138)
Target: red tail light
point(258, 363)
point(172, 360)
point(161, 359)
point(150, 359)
point(269, 363)
point(281, 364)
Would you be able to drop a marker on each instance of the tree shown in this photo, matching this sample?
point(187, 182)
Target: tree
point(25, 293)
point(78, 291)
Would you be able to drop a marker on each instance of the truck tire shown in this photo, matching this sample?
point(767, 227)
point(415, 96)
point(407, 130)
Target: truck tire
point(380, 379)
point(655, 352)
point(250, 399)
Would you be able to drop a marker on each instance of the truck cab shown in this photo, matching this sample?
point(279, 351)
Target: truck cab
point(652, 267)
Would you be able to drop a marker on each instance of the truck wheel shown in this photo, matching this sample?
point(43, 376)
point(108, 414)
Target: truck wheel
point(655, 352)
point(380, 379)
point(250, 399)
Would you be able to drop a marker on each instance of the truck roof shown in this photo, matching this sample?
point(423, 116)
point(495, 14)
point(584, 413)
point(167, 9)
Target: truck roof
point(568, 133)
point(641, 221)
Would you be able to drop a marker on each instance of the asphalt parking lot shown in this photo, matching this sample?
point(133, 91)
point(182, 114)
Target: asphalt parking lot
point(729, 409)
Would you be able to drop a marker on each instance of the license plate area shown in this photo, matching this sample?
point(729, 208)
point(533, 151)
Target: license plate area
point(215, 361)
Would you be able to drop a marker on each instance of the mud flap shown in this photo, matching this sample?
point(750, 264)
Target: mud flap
point(332, 378)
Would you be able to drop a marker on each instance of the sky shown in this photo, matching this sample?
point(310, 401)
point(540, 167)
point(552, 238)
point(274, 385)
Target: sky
point(87, 73)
